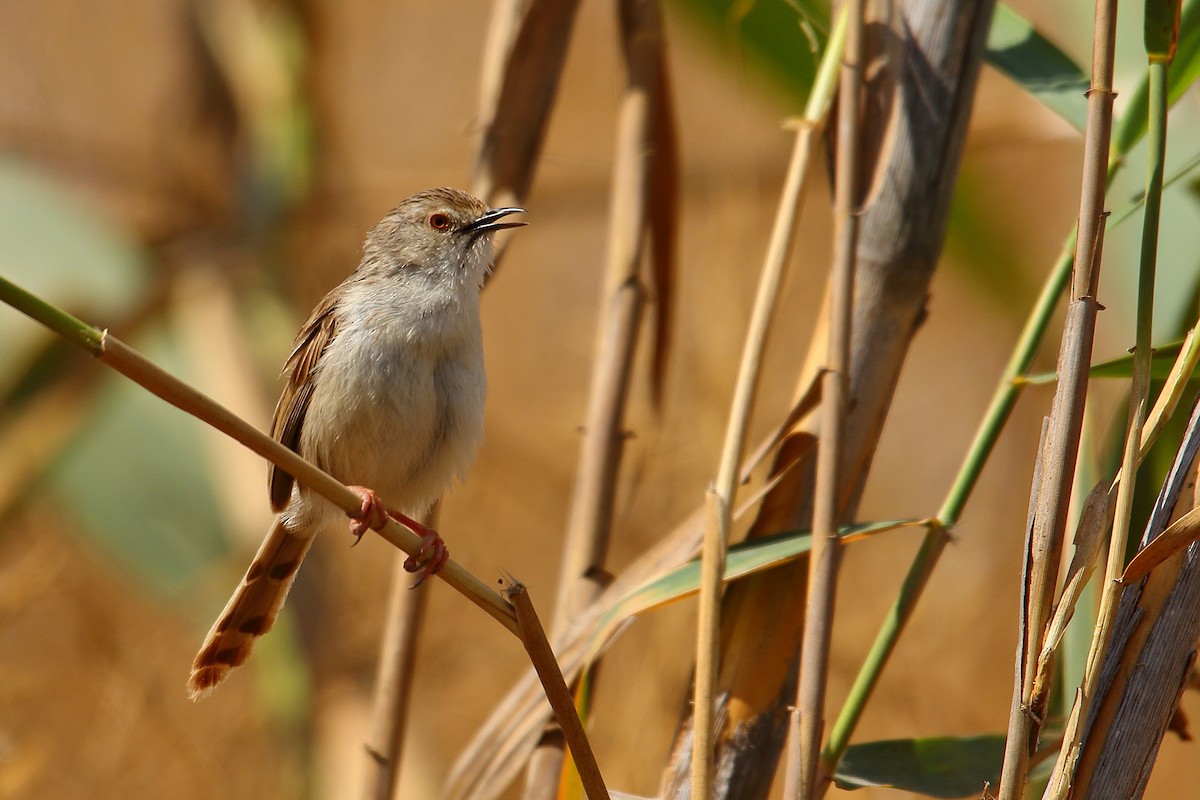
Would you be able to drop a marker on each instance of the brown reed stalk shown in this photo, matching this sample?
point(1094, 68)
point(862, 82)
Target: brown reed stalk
point(394, 679)
point(808, 719)
point(1051, 490)
point(546, 665)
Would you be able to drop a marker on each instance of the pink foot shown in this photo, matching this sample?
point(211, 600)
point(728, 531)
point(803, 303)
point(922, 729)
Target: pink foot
point(373, 516)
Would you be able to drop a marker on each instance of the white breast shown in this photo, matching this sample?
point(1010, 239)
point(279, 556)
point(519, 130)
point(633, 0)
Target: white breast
point(398, 405)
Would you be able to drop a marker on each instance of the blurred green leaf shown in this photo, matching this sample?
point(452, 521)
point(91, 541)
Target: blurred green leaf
point(53, 246)
point(1130, 127)
point(1122, 366)
point(136, 479)
point(745, 558)
point(942, 766)
point(782, 39)
point(1038, 66)
point(133, 476)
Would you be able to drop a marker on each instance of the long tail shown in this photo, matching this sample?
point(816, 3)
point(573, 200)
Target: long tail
point(251, 611)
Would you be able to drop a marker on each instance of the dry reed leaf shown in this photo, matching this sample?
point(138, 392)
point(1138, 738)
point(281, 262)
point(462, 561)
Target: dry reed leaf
point(1140, 672)
point(809, 399)
point(1173, 387)
point(662, 213)
point(802, 446)
point(523, 63)
point(499, 749)
point(1089, 539)
point(1179, 535)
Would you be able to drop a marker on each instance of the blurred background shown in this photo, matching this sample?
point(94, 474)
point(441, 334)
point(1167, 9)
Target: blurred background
point(195, 175)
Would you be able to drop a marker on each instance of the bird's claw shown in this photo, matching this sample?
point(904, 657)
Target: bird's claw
point(372, 515)
point(433, 556)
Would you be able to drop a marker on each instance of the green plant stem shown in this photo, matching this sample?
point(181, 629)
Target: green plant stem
point(74, 330)
point(1003, 401)
point(1156, 157)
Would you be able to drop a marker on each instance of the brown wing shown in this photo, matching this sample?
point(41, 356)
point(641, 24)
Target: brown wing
point(301, 365)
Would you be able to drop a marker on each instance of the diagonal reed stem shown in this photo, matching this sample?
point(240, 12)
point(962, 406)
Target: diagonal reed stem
point(116, 354)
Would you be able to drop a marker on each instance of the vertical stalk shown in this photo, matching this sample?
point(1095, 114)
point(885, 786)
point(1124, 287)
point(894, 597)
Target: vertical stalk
point(804, 746)
point(393, 682)
point(1051, 492)
point(1160, 53)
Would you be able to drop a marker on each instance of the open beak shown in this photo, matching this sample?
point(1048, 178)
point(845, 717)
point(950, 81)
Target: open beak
point(491, 221)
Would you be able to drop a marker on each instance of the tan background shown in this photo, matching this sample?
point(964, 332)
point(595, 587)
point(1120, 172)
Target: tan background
point(92, 663)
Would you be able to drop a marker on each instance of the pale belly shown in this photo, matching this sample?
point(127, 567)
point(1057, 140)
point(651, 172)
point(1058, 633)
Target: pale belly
point(402, 423)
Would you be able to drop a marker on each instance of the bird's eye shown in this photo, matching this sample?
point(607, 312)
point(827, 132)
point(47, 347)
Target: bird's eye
point(439, 222)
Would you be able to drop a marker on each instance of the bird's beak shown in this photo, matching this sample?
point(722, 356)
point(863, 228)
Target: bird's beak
point(490, 221)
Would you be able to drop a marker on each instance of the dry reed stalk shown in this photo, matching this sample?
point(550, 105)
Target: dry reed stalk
point(1056, 462)
point(1159, 549)
point(523, 59)
point(808, 719)
point(642, 205)
point(394, 679)
point(1148, 657)
point(720, 500)
point(557, 692)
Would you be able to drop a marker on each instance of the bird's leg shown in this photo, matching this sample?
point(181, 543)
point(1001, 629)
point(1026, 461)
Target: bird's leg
point(373, 515)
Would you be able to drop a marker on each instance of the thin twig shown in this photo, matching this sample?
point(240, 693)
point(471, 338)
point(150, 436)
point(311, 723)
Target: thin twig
point(1057, 458)
point(542, 656)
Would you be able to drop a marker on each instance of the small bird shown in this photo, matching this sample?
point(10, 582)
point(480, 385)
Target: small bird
point(385, 389)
